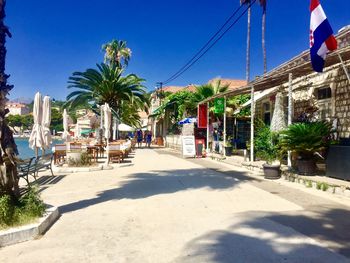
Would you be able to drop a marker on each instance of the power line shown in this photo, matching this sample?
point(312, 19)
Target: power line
point(206, 44)
point(206, 47)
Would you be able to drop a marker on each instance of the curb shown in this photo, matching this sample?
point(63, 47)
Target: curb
point(29, 232)
point(101, 167)
point(316, 184)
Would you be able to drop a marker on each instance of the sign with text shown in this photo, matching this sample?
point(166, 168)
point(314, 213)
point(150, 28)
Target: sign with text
point(188, 146)
point(219, 105)
point(188, 129)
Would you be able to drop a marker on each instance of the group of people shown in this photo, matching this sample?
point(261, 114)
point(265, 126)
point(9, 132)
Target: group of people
point(145, 137)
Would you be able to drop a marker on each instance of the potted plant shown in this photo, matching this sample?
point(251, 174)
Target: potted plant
point(267, 148)
point(306, 141)
point(228, 147)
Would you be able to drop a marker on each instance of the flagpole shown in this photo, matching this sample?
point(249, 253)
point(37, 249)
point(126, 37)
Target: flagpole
point(207, 128)
point(344, 67)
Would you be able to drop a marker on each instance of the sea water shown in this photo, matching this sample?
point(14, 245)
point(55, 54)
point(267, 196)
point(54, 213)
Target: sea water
point(26, 152)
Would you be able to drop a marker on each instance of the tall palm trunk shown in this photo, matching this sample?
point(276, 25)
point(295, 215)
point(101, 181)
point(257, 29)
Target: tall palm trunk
point(8, 171)
point(248, 45)
point(263, 28)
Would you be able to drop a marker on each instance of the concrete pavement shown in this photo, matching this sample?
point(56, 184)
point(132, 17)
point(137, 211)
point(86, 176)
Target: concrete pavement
point(161, 208)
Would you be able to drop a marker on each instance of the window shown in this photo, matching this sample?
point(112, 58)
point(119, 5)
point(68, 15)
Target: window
point(267, 113)
point(324, 93)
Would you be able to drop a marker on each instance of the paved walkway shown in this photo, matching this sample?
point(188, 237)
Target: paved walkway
point(161, 208)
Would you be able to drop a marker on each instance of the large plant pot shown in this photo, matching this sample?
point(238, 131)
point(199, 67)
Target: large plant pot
point(306, 167)
point(272, 171)
point(228, 150)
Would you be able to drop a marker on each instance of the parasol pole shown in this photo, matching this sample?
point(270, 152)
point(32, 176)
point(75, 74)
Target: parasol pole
point(252, 109)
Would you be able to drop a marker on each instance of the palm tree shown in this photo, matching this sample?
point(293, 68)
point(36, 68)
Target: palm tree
point(263, 28)
point(247, 72)
point(124, 94)
point(8, 171)
point(209, 90)
point(116, 52)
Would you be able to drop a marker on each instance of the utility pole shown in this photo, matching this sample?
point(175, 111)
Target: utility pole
point(160, 89)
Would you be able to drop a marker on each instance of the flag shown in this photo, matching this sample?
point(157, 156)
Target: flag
point(202, 116)
point(263, 4)
point(322, 39)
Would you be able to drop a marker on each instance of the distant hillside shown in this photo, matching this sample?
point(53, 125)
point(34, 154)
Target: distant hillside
point(23, 100)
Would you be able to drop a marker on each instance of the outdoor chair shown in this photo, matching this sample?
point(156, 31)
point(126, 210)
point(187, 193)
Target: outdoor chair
point(100, 150)
point(115, 153)
point(59, 153)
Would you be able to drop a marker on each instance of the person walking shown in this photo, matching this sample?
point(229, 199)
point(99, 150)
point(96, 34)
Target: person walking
point(139, 138)
point(149, 139)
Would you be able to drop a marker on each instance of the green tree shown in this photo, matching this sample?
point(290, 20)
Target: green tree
point(208, 90)
point(14, 121)
point(24, 122)
point(27, 121)
point(117, 53)
point(106, 84)
point(56, 120)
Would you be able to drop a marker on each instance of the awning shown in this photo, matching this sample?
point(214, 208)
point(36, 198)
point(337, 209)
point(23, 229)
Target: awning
point(257, 96)
point(155, 113)
point(86, 131)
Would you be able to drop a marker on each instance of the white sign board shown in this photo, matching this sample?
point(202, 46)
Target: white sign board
point(188, 129)
point(188, 146)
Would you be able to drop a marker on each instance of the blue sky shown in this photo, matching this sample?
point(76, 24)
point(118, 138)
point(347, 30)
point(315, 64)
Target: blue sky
point(52, 39)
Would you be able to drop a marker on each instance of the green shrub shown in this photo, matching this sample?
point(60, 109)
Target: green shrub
point(7, 210)
point(32, 205)
point(306, 138)
point(84, 160)
point(266, 143)
point(319, 185)
point(29, 207)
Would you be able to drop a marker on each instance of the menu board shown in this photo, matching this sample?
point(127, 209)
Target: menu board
point(188, 146)
point(188, 129)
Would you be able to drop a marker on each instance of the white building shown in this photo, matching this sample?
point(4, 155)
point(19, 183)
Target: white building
point(17, 108)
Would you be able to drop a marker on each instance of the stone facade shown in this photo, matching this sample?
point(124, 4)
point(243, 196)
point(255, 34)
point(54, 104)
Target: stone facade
point(324, 96)
point(342, 104)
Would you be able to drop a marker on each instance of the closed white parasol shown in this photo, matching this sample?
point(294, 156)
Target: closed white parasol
point(107, 121)
point(46, 121)
point(65, 135)
point(77, 131)
point(36, 140)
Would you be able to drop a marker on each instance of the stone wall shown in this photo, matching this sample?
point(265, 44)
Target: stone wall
point(173, 142)
point(342, 104)
point(299, 108)
point(336, 108)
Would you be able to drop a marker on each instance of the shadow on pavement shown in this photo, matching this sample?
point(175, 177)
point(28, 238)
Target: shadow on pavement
point(327, 225)
point(43, 182)
point(268, 239)
point(143, 185)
